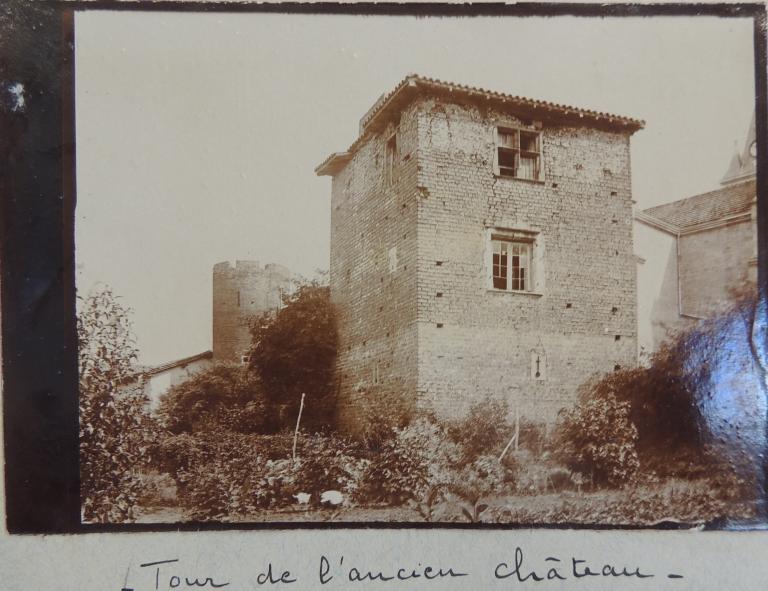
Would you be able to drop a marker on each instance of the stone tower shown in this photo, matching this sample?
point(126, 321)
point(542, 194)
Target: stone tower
point(241, 291)
point(481, 246)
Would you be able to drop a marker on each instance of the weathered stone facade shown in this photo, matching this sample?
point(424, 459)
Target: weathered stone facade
point(715, 265)
point(241, 291)
point(420, 324)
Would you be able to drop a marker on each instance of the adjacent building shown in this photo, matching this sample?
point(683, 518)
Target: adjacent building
point(481, 245)
point(157, 380)
point(696, 254)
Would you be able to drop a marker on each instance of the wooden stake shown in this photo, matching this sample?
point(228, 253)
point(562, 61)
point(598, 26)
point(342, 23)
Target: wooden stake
point(515, 437)
point(296, 432)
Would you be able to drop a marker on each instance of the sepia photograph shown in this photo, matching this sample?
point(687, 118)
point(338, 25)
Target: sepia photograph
point(389, 269)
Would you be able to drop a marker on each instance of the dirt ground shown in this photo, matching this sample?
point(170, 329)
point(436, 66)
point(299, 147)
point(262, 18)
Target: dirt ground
point(643, 507)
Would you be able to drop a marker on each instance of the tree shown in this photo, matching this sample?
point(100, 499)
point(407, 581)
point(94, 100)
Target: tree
point(115, 430)
point(294, 352)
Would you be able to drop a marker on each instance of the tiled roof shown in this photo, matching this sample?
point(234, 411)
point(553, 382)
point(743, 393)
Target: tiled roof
point(707, 207)
point(536, 109)
point(544, 106)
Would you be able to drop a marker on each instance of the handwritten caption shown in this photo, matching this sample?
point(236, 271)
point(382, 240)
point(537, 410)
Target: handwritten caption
point(171, 573)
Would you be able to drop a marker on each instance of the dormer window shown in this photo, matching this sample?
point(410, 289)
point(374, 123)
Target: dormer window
point(518, 153)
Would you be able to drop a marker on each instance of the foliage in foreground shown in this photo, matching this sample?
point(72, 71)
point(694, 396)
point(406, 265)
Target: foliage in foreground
point(116, 434)
point(226, 475)
point(693, 410)
point(596, 438)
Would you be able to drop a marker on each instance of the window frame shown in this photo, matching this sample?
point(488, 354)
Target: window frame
point(532, 277)
point(516, 151)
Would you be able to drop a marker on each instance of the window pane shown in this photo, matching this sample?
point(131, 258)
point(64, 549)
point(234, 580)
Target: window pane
point(508, 139)
point(506, 158)
point(499, 265)
point(529, 167)
point(529, 141)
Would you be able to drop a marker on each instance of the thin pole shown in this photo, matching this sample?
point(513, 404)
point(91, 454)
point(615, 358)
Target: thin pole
point(517, 424)
point(296, 432)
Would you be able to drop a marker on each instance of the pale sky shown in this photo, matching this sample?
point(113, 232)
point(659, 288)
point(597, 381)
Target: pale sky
point(198, 134)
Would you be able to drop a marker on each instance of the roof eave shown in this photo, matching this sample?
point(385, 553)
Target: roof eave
point(332, 165)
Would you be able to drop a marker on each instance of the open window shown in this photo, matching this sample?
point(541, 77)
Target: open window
point(518, 153)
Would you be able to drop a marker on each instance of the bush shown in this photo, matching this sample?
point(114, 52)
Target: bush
point(485, 430)
point(597, 439)
point(225, 475)
point(406, 465)
point(225, 397)
point(462, 459)
point(699, 396)
point(328, 462)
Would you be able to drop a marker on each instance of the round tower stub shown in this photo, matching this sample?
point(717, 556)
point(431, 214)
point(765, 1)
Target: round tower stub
point(242, 291)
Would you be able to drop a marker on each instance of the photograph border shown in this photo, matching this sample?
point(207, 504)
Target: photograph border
point(37, 262)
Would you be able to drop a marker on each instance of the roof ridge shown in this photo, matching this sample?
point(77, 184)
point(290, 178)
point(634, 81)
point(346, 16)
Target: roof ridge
point(414, 77)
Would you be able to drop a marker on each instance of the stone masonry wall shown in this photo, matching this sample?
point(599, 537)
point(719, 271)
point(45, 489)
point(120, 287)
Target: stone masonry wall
point(712, 264)
point(241, 291)
point(373, 278)
point(474, 341)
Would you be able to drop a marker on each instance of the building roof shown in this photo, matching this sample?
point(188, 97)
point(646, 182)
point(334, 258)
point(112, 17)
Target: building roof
point(178, 363)
point(728, 201)
point(414, 84)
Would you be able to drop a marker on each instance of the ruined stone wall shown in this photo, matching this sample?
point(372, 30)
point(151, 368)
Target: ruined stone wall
point(713, 263)
point(241, 291)
point(475, 341)
point(373, 278)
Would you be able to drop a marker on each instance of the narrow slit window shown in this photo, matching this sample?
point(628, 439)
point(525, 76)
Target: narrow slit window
point(390, 160)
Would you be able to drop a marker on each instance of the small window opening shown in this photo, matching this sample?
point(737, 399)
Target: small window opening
point(519, 153)
point(390, 160)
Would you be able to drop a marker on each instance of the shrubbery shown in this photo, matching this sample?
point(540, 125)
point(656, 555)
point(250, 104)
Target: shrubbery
point(681, 415)
point(225, 397)
point(461, 460)
point(597, 438)
point(225, 475)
